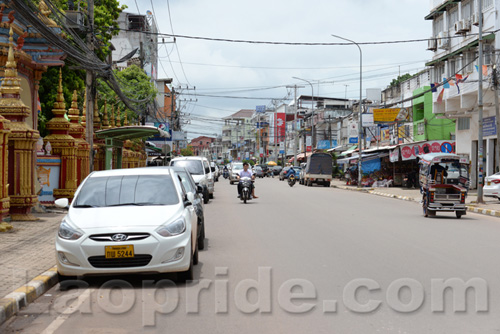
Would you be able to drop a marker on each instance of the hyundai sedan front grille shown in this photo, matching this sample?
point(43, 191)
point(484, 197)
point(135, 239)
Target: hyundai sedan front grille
point(129, 236)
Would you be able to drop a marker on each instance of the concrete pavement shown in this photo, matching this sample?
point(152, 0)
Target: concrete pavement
point(27, 261)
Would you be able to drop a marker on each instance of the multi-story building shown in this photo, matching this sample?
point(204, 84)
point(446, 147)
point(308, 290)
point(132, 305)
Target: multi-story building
point(133, 44)
point(238, 135)
point(454, 41)
point(202, 146)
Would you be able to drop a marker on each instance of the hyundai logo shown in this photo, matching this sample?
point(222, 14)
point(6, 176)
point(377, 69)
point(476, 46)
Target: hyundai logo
point(119, 237)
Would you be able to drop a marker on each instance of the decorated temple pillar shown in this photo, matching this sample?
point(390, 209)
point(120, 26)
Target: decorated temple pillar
point(4, 185)
point(63, 145)
point(77, 131)
point(127, 145)
point(21, 143)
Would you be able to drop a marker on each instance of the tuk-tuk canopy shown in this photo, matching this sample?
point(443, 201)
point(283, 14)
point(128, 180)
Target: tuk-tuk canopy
point(430, 158)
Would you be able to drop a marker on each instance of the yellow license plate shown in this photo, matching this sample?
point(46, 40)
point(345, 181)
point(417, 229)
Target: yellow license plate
point(118, 252)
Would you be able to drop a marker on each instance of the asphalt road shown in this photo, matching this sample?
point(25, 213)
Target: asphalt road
point(302, 259)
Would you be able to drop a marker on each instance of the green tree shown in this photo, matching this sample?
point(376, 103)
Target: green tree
point(71, 80)
point(399, 79)
point(187, 151)
point(106, 13)
point(135, 84)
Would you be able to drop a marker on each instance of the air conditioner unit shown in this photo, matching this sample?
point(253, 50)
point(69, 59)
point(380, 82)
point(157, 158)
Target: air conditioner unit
point(75, 20)
point(432, 44)
point(466, 25)
point(459, 27)
point(443, 42)
point(475, 19)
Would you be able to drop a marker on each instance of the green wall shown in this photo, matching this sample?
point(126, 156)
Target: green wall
point(434, 128)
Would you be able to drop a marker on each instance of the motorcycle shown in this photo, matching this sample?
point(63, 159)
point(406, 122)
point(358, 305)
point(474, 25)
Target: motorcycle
point(291, 180)
point(246, 189)
point(225, 174)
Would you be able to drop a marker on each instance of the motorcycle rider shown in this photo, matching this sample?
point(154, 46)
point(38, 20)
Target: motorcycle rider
point(225, 172)
point(246, 173)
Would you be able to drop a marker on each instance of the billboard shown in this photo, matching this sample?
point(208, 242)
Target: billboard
point(390, 115)
point(280, 126)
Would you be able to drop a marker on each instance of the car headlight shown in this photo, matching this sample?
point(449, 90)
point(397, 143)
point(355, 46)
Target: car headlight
point(67, 232)
point(175, 228)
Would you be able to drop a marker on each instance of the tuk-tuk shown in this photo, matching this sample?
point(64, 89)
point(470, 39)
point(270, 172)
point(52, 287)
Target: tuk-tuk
point(444, 183)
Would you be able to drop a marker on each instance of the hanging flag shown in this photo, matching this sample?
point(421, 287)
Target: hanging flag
point(433, 88)
point(485, 70)
point(440, 97)
point(458, 77)
point(445, 83)
point(477, 67)
point(38, 106)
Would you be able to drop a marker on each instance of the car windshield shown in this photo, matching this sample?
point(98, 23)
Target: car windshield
point(237, 167)
point(193, 166)
point(127, 190)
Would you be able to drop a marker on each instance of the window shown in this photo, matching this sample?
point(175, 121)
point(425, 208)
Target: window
point(126, 190)
point(463, 123)
point(466, 10)
point(420, 128)
point(452, 17)
point(487, 4)
point(437, 25)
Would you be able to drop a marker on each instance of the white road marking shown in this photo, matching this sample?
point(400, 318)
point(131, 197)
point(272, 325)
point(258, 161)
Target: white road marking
point(54, 325)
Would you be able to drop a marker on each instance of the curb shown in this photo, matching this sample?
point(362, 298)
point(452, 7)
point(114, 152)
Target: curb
point(14, 301)
point(470, 208)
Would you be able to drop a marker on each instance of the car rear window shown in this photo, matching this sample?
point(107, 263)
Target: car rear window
point(193, 166)
point(127, 190)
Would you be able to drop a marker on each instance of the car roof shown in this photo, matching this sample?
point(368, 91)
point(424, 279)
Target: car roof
point(189, 158)
point(134, 171)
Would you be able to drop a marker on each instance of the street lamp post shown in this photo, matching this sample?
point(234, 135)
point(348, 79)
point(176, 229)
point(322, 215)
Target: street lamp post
point(360, 122)
point(312, 109)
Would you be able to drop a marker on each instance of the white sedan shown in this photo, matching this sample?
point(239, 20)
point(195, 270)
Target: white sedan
point(492, 186)
point(124, 221)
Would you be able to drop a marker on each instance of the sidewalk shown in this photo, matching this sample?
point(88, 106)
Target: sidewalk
point(490, 207)
point(27, 254)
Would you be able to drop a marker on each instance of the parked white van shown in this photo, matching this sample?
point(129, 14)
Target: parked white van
point(199, 168)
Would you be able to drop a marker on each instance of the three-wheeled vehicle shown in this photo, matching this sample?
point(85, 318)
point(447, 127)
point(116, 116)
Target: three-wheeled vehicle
point(444, 183)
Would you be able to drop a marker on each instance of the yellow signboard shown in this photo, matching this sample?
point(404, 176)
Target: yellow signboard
point(390, 115)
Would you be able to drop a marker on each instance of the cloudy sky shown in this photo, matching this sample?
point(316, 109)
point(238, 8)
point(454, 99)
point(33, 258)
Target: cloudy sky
point(244, 75)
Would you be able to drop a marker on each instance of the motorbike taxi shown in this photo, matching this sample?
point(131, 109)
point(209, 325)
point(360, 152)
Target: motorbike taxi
point(444, 183)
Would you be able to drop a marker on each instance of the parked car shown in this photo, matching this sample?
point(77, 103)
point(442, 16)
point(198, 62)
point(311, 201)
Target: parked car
point(492, 186)
point(234, 171)
point(123, 221)
point(201, 172)
point(259, 172)
point(215, 171)
point(276, 170)
point(283, 173)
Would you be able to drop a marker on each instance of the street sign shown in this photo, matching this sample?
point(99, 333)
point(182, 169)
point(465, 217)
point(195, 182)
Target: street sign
point(390, 115)
point(260, 109)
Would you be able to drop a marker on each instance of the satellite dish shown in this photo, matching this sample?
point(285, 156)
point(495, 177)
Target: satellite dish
point(166, 149)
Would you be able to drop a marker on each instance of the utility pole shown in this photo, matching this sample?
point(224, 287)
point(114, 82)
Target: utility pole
point(497, 114)
point(295, 132)
point(480, 107)
point(90, 88)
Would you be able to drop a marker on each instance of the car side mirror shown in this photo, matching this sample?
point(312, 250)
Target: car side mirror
point(207, 170)
point(199, 189)
point(62, 203)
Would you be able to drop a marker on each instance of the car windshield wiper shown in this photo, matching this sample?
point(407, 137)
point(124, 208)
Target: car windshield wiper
point(85, 206)
point(136, 204)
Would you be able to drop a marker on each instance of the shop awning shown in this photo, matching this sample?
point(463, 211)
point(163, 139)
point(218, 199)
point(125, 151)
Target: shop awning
point(352, 149)
point(301, 155)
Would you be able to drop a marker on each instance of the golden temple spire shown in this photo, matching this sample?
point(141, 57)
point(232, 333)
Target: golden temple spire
point(105, 122)
point(11, 84)
point(118, 119)
point(112, 123)
point(97, 120)
point(125, 120)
